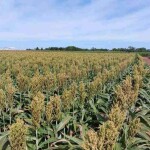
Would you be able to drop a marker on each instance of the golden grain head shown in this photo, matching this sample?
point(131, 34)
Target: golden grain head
point(37, 106)
point(67, 98)
point(134, 127)
point(17, 135)
point(117, 115)
point(2, 99)
point(90, 141)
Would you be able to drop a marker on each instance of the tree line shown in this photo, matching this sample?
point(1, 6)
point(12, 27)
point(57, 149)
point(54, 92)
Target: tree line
point(74, 48)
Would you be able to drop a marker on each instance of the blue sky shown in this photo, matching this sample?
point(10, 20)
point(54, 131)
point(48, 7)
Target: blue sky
point(83, 23)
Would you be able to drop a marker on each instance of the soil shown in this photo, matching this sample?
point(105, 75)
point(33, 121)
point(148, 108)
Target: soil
point(147, 60)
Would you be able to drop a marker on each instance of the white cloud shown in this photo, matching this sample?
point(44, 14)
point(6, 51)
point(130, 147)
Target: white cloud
point(73, 20)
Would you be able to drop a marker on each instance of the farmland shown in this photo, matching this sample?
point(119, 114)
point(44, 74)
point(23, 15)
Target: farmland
point(74, 100)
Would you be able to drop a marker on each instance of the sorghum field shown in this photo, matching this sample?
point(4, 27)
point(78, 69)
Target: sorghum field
point(74, 101)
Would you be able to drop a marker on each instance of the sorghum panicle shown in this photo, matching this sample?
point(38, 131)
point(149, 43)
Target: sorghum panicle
point(53, 109)
point(17, 136)
point(2, 100)
point(37, 106)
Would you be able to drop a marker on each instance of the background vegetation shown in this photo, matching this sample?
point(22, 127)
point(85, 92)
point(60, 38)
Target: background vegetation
point(83, 101)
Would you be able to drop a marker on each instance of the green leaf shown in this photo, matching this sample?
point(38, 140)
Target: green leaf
point(93, 106)
point(4, 143)
point(144, 135)
point(145, 120)
point(145, 95)
point(62, 124)
point(117, 146)
point(75, 140)
point(50, 140)
point(3, 135)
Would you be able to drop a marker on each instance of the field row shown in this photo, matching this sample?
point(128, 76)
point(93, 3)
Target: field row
point(62, 100)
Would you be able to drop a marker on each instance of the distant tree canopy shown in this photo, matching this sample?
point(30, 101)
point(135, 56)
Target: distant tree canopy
point(131, 49)
point(69, 48)
point(99, 49)
point(74, 48)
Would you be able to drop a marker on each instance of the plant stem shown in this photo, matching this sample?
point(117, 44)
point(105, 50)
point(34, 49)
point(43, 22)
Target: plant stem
point(20, 98)
point(36, 139)
point(64, 132)
point(56, 132)
point(48, 134)
point(4, 122)
point(10, 116)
